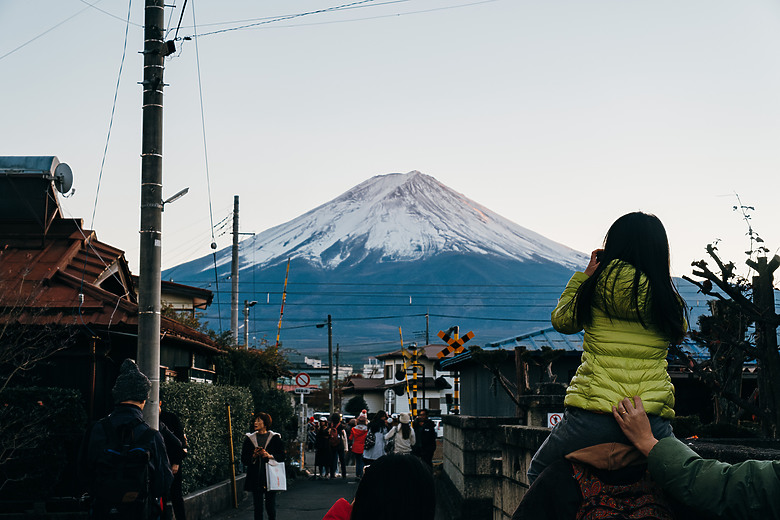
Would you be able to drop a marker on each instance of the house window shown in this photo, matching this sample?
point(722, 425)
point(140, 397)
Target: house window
point(388, 369)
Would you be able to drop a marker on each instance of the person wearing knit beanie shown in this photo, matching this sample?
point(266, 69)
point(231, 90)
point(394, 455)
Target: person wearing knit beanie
point(131, 385)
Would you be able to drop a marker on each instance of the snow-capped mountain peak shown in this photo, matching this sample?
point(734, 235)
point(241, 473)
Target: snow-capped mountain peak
point(400, 217)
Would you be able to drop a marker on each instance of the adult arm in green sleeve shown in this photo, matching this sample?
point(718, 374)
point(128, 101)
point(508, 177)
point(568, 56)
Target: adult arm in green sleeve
point(747, 490)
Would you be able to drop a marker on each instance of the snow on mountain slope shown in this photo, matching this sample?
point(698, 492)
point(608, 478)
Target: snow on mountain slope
point(399, 217)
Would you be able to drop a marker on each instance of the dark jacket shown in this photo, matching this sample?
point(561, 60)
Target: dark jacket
point(94, 442)
point(173, 434)
point(322, 455)
point(174, 424)
point(255, 467)
point(425, 432)
point(750, 489)
point(172, 445)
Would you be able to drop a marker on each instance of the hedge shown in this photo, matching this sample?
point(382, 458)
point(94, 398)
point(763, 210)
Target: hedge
point(202, 408)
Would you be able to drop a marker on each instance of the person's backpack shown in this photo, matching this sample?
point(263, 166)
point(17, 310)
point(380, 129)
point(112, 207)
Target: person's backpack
point(642, 499)
point(122, 469)
point(370, 441)
point(333, 438)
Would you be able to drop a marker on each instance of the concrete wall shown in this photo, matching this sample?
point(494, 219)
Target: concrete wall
point(219, 498)
point(469, 446)
point(519, 443)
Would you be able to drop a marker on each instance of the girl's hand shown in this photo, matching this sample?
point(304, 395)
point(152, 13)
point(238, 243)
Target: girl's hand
point(594, 262)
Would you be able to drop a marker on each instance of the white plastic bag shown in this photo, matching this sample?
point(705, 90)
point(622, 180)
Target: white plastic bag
point(275, 477)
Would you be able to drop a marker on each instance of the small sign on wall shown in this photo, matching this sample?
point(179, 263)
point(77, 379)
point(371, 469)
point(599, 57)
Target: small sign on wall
point(553, 419)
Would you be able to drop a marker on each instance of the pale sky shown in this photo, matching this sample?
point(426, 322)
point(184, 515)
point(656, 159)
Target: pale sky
point(559, 115)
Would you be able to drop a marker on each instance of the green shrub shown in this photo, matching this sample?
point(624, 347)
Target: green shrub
point(203, 410)
point(40, 433)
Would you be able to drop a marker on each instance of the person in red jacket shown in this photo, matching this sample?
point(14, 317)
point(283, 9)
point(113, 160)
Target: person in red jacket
point(358, 438)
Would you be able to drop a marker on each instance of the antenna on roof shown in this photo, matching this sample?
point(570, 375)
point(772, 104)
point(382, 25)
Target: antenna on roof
point(63, 178)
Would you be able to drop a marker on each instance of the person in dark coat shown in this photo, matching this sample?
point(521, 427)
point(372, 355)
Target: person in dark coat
point(322, 454)
point(260, 446)
point(425, 432)
point(130, 393)
point(338, 450)
point(176, 446)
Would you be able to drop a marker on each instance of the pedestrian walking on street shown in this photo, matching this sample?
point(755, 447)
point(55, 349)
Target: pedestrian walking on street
point(402, 434)
point(322, 456)
point(358, 438)
point(337, 439)
point(173, 503)
point(394, 487)
point(120, 486)
point(260, 446)
point(350, 455)
point(425, 432)
point(311, 434)
point(376, 431)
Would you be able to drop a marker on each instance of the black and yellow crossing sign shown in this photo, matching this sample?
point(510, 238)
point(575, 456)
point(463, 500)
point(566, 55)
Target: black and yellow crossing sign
point(453, 344)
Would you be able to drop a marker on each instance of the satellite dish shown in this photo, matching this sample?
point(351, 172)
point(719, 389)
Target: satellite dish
point(63, 178)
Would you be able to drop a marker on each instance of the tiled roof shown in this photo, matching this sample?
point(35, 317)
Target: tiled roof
point(69, 277)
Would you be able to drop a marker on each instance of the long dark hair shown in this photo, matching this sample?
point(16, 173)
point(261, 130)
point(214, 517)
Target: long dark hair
point(376, 422)
point(403, 478)
point(637, 240)
point(406, 430)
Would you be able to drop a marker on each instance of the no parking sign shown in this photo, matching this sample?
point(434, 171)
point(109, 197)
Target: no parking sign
point(553, 419)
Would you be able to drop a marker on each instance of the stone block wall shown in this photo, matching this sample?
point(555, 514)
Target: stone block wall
point(519, 443)
point(469, 448)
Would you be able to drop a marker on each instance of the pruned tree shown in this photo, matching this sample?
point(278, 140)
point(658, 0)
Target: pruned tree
point(741, 302)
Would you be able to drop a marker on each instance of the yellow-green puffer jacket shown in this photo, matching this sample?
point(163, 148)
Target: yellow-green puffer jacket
point(621, 358)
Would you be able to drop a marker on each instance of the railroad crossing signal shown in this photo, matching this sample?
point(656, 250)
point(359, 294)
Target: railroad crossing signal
point(453, 345)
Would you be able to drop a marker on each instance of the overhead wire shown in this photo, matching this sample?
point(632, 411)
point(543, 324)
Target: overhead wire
point(277, 19)
point(206, 160)
point(113, 111)
point(49, 29)
point(245, 20)
point(390, 15)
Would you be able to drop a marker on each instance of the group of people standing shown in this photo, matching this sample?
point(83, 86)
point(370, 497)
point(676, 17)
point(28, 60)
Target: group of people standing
point(337, 443)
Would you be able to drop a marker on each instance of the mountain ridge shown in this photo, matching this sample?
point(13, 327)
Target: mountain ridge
point(396, 233)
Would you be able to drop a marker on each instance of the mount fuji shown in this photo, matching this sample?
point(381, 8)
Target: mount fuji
point(398, 251)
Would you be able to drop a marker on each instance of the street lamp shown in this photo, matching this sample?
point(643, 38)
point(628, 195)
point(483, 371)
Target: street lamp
point(330, 359)
point(247, 304)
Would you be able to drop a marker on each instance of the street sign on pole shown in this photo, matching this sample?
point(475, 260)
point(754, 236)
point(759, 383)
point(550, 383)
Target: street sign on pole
point(302, 379)
point(302, 391)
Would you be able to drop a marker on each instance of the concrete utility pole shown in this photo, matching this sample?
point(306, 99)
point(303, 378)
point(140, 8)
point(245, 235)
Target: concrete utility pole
point(330, 362)
point(336, 387)
point(151, 206)
point(234, 276)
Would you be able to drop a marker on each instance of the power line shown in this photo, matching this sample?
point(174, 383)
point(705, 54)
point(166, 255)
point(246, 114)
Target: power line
point(278, 19)
point(113, 111)
point(391, 15)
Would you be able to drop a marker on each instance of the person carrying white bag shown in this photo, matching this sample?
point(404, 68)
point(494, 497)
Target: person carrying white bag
point(263, 455)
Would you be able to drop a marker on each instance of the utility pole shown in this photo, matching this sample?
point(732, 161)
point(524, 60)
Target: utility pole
point(234, 276)
point(330, 362)
point(150, 259)
point(337, 371)
point(427, 329)
point(247, 305)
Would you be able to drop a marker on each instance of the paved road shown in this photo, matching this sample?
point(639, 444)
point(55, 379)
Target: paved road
point(308, 499)
point(304, 500)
